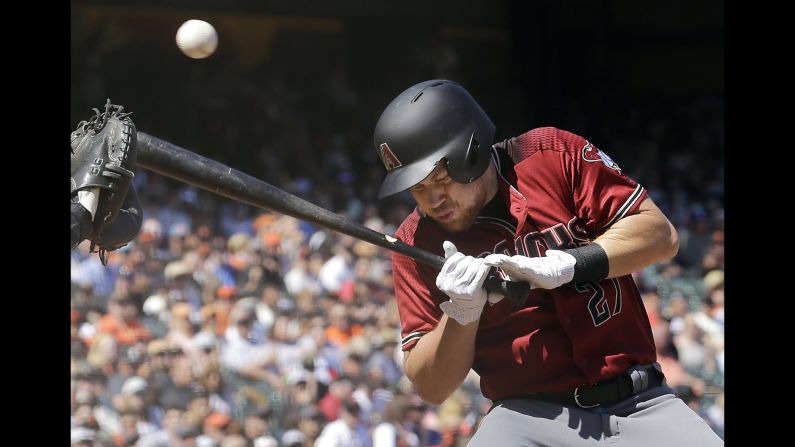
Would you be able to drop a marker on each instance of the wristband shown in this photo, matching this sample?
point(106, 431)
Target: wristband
point(592, 263)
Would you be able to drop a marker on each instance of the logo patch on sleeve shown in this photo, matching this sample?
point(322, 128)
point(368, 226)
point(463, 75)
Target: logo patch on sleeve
point(592, 154)
point(388, 157)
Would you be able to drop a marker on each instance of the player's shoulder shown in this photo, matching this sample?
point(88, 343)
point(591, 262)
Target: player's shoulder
point(407, 229)
point(420, 232)
point(543, 139)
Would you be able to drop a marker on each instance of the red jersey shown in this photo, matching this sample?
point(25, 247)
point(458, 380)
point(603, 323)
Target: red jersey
point(562, 192)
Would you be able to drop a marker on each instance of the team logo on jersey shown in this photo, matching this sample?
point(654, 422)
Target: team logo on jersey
point(592, 154)
point(388, 157)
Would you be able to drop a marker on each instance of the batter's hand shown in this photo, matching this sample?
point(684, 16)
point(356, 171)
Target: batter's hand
point(461, 278)
point(545, 272)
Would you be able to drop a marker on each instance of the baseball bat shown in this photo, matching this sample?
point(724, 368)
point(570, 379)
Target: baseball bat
point(189, 167)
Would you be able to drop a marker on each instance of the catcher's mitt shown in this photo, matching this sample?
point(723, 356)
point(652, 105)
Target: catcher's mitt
point(103, 156)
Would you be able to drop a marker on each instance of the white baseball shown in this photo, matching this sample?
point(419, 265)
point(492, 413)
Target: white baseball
point(197, 39)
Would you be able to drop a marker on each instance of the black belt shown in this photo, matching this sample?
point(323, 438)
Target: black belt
point(632, 381)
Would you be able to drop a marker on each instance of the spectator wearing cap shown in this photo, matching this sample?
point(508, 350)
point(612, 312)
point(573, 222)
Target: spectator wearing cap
point(129, 360)
point(103, 352)
point(266, 441)
point(182, 287)
point(239, 251)
point(390, 432)
point(179, 390)
point(169, 435)
point(140, 399)
point(310, 422)
point(134, 386)
point(122, 321)
point(156, 314)
point(243, 355)
point(382, 363)
point(293, 438)
point(234, 440)
point(129, 405)
point(206, 351)
point(161, 354)
point(414, 421)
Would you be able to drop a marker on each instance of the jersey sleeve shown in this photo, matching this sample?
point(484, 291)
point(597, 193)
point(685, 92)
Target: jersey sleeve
point(591, 181)
point(603, 194)
point(417, 297)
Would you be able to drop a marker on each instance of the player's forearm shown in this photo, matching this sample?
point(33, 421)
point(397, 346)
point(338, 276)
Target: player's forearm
point(639, 240)
point(256, 372)
point(441, 360)
point(81, 224)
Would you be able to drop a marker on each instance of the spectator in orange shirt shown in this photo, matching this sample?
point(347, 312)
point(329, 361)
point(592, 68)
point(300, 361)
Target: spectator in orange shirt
point(122, 321)
point(340, 330)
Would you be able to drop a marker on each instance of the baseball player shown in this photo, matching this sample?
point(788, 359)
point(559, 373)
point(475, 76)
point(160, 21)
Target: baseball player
point(104, 205)
point(575, 365)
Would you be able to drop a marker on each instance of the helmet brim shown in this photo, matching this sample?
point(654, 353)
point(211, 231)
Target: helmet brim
point(404, 177)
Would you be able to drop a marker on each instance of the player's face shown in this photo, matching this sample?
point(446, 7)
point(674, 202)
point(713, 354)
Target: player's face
point(453, 205)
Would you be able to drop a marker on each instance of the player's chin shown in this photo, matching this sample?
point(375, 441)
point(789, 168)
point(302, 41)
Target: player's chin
point(458, 225)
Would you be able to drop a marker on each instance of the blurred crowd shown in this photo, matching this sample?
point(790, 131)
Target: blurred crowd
point(225, 325)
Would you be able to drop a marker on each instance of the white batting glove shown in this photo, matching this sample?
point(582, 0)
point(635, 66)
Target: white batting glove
point(89, 198)
point(461, 278)
point(546, 272)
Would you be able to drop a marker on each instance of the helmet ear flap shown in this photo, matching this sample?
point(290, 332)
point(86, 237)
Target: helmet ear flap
point(471, 156)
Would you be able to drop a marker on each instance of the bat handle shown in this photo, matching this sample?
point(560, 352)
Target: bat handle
point(514, 291)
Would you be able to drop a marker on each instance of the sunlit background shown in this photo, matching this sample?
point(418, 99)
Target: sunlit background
point(226, 325)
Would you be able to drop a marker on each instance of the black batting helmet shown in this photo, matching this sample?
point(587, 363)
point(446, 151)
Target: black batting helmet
point(428, 122)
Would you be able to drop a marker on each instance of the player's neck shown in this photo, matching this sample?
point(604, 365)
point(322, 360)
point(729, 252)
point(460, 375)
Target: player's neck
point(492, 186)
point(493, 203)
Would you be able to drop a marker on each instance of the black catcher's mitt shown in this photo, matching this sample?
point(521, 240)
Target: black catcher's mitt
point(103, 156)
